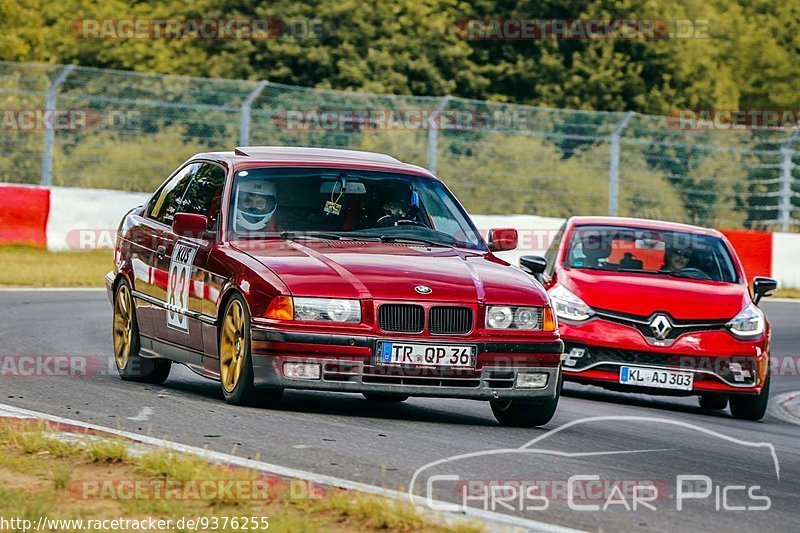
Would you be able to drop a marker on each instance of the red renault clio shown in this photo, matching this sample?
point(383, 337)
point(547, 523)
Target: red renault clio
point(271, 268)
point(657, 307)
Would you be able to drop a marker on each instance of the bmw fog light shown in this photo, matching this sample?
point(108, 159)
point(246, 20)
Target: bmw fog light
point(532, 380)
point(301, 370)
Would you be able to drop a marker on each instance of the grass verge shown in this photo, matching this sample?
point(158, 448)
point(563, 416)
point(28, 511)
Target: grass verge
point(100, 478)
point(24, 266)
point(786, 293)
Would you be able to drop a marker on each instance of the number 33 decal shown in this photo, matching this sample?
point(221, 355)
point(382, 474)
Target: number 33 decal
point(180, 274)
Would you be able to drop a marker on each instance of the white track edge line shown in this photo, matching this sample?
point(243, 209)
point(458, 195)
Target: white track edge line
point(497, 518)
point(776, 408)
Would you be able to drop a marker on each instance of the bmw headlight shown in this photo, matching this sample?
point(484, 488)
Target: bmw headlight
point(527, 318)
point(749, 322)
point(499, 317)
point(568, 306)
point(327, 309)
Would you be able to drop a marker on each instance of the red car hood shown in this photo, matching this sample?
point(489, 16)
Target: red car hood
point(350, 269)
point(643, 294)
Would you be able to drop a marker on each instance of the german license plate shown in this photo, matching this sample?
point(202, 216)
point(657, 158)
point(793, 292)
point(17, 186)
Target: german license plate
point(655, 377)
point(414, 354)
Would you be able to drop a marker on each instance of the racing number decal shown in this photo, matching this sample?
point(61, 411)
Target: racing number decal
point(180, 274)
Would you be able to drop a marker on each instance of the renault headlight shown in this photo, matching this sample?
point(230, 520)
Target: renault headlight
point(568, 306)
point(750, 322)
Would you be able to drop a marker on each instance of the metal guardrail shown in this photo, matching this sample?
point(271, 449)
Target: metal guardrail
point(88, 127)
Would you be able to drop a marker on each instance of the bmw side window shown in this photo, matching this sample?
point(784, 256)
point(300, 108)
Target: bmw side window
point(167, 201)
point(203, 195)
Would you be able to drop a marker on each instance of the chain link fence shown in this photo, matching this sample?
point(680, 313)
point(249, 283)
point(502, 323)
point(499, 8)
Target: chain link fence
point(87, 127)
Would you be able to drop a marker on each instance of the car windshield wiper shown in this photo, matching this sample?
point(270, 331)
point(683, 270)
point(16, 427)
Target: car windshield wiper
point(323, 235)
point(642, 271)
point(412, 240)
point(659, 273)
point(628, 270)
point(694, 276)
point(309, 235)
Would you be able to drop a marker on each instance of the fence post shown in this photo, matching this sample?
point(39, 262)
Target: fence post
point(613, 168)
point(433, 133)
point(787, 165)
point(244, 120)
point(49, 132)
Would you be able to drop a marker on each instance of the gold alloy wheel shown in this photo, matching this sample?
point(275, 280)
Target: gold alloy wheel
point(232, 346)
point(123, 326)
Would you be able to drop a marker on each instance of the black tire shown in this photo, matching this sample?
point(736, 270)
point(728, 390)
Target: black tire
point(751, 407)
point(385, 397)
point(160, 373)
point(527, 413)
point(242, 391)
point(524, 413)
point(713, 402)
point(127, 346)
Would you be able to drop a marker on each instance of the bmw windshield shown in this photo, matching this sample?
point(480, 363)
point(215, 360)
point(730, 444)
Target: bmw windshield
point(651, 251)
point(348, 204)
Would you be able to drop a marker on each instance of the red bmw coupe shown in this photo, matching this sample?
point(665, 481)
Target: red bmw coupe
point(301, 268)
point(657, 307)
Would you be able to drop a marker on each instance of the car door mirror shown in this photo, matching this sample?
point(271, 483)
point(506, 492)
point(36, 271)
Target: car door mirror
point(533, 264)
point(763, 287)
point(502, 239)
point(190, 225)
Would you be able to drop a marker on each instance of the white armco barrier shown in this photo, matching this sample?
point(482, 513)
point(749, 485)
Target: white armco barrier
point(786, 259)
point(82, 219)
point(88, 218)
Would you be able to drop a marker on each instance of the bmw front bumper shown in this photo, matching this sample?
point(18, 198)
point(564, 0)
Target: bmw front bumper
point(347, 365)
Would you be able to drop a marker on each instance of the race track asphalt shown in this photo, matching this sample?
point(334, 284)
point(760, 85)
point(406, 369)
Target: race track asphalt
point(348, 437)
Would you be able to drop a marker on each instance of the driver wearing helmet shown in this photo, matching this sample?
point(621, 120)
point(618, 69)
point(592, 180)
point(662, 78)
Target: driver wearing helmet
point(256, 203)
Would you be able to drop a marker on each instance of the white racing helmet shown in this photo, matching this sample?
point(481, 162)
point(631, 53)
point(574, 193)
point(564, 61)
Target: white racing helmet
point(256, 202)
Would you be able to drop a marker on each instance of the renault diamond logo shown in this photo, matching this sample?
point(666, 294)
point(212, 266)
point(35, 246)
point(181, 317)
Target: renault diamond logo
point(422, 289)
point(661, 326)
